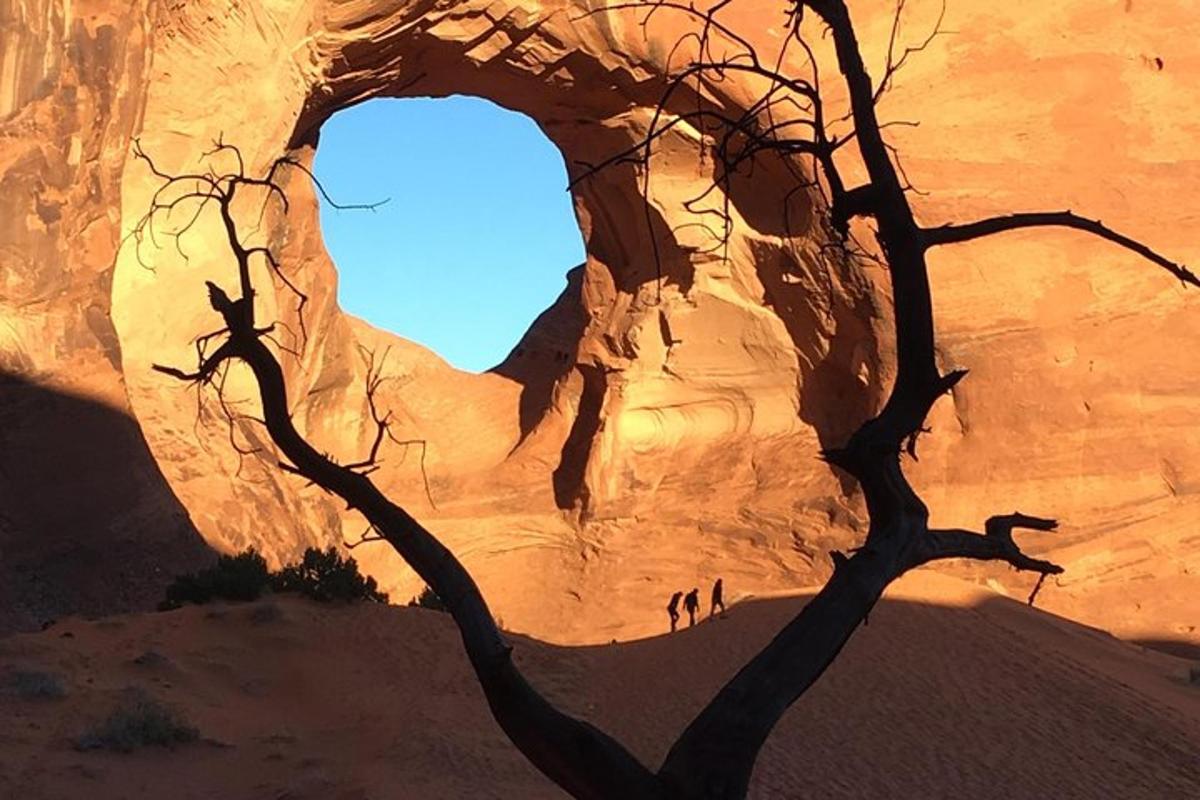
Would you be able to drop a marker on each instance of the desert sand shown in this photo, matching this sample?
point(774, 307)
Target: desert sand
point(950, 691)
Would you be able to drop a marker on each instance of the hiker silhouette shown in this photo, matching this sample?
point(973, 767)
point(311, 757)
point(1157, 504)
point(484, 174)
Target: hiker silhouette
point(692, 604)
point(673, 610)
point(718, 599)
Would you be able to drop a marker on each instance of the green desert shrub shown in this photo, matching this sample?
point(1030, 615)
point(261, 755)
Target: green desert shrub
point(241, 577)
point(428, 599)
point(32, 684)
point(138, 721)
point(322, 575)
point(325, 576)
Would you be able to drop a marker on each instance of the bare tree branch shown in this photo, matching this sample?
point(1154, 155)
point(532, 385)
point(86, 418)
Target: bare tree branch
point(995, 544)
point(965, 232)
point(204, 372)
point(894, 64)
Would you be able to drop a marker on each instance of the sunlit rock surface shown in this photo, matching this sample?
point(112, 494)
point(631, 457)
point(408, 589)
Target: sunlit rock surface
point(647, 434)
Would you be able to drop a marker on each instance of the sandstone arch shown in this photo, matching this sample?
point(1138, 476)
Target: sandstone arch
point(717, 387)
point(83, 79)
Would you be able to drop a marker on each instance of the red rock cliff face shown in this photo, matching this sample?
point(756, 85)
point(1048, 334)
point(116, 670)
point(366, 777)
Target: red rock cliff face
point(647, 432)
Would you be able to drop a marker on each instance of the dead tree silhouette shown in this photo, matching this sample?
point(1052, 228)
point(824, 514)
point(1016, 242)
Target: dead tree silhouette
point(714, 756)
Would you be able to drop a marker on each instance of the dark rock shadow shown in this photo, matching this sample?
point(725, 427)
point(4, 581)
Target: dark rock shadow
point(833, 398)
point(633, 240)
point(1180, 648)
point(88, 523)
point(546, 353)
point(771, 195)
point(824, 305)
point(568, 476)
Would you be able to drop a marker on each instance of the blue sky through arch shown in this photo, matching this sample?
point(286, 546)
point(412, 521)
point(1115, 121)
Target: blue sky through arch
point(477, 236)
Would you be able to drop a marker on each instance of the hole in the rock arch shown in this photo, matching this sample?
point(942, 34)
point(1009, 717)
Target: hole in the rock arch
point(478, 231)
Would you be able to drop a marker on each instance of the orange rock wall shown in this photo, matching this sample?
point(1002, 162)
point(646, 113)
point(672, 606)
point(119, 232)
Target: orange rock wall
point(645, 434)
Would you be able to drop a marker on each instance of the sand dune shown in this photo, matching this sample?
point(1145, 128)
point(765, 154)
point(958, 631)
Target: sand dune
point(951, 691)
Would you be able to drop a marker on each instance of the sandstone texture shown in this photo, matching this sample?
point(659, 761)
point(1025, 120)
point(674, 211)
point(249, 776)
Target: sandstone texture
point(648, 433)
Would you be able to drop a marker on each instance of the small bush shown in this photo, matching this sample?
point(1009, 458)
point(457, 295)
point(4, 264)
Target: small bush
point(241, 577)
point(326, 577)
point(33, 684)
point(322, 575)
point(139, 721)
point(428, 599)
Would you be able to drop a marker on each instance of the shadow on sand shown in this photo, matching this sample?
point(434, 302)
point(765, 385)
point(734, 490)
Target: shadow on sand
point(986, 702)
point(82, 510)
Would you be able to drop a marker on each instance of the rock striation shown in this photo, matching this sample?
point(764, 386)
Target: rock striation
point(660, 423)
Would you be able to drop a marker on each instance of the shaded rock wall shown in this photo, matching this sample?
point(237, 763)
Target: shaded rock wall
point(645, 433)
point(87, 519)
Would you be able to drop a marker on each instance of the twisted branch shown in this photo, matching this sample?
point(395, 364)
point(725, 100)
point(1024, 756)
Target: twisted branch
point(965, 232)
